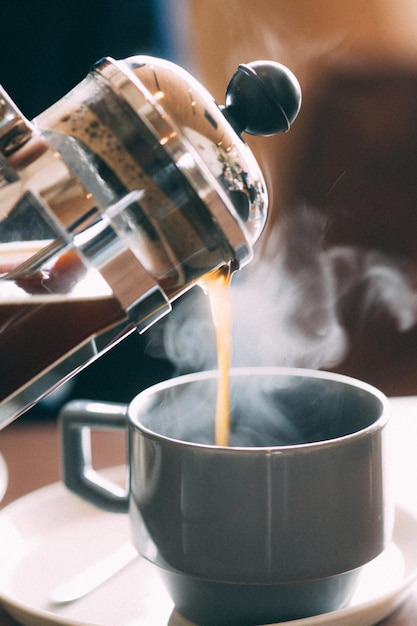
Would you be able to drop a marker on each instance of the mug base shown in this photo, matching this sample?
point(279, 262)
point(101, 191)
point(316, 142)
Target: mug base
point(210, 603)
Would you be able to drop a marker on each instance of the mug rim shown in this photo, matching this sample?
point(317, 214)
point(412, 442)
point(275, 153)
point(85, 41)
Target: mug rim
point(377, 425)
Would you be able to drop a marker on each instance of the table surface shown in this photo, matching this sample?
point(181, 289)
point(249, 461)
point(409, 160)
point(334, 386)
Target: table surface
point(32, 454)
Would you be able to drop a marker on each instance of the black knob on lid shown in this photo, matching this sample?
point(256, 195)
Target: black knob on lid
point(262, 98)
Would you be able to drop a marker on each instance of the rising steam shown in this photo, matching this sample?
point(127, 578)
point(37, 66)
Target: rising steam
point(288, 305)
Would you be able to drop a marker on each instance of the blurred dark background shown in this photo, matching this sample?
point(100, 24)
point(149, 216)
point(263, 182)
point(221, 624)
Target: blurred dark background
point(47, 47)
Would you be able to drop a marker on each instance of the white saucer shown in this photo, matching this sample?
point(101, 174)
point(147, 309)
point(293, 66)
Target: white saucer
point(4, 477)
point(50, 535)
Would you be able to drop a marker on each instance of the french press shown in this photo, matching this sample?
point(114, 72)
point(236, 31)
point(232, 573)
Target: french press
point(115, 201)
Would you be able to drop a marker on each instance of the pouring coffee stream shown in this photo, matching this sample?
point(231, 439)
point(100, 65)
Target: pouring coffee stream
point(218, 291)
point(115, 201)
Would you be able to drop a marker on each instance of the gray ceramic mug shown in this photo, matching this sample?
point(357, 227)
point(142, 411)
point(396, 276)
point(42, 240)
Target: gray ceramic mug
point(275, 527)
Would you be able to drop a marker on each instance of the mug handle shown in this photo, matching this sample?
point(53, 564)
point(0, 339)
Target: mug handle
point(76, 421)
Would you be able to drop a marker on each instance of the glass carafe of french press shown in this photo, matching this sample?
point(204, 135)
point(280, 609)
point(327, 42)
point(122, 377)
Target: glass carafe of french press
point(115, 201)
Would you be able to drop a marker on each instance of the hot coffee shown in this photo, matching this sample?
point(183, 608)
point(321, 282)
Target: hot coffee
point(218, 291)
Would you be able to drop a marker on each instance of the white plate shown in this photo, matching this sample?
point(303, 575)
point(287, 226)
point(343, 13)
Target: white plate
point(50, 535)
point(4, 477)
